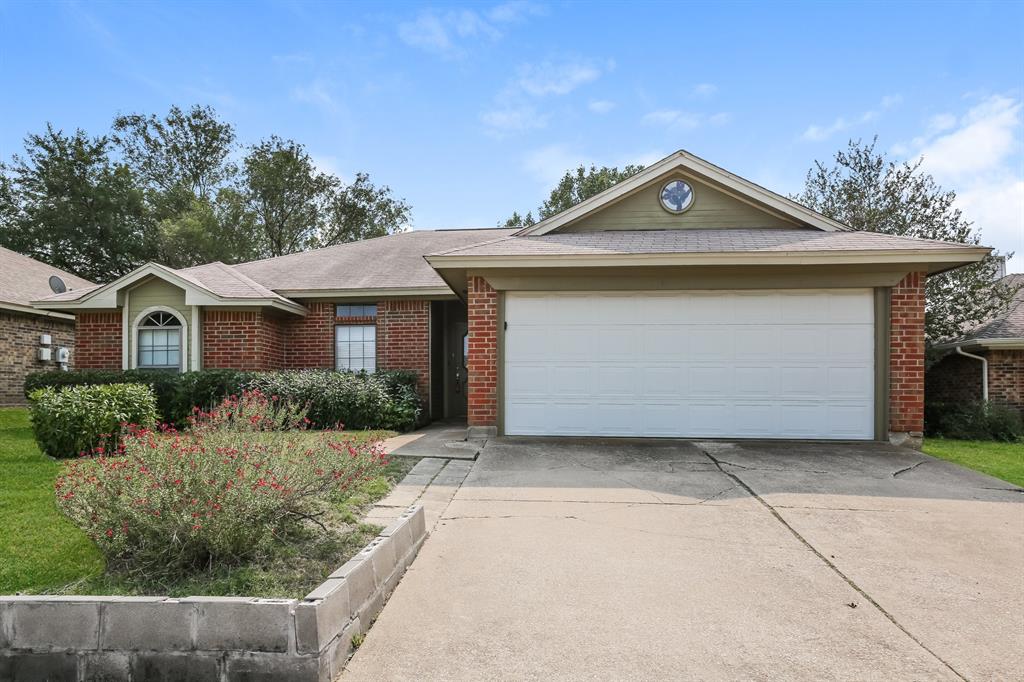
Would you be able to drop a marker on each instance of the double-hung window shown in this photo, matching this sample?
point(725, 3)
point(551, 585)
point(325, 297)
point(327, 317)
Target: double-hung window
point(355, 338)
point(159, 342)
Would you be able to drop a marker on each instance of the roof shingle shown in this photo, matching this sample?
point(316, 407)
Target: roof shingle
point(24, 279)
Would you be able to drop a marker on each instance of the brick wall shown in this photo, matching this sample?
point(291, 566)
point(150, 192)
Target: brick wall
point(309, 341)
point(403, 339)
point(906, 355)
point(1006, 377)
point(19, 344)
point(98, 336)
point(241, 339)
point(482, 304)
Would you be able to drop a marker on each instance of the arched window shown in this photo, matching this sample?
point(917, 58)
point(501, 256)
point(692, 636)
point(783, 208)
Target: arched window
point(158, 340)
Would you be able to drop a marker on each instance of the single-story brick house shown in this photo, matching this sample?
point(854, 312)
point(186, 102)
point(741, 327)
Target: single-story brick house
point(31, 339)
point(986, 363)
point(684, 301)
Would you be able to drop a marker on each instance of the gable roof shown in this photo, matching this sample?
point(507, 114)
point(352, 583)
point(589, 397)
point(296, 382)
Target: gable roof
point(23, 279)
point(687, 163)
point(1006, 328)
point(679, 247)
point(391, 264)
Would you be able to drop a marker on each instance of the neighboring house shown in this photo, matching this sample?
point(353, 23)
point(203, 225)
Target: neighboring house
point(986, 363)
point(23, 328)
point(684, 301)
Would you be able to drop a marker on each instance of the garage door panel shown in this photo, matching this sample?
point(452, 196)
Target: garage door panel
point(763, 364)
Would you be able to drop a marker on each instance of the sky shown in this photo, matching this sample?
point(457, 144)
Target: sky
point(470, 111)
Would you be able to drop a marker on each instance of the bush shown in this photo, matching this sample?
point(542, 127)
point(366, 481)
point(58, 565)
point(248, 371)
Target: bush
point(384, 400)
point(973, 421)
point(69, 421)
point(176, 393)
point(229, 489)
point(352, 400)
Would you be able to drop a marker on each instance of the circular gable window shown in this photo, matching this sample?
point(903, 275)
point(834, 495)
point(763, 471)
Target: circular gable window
point(676, 196)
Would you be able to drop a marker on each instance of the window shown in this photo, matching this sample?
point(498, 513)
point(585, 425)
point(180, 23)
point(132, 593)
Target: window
point(159, 341)
point(355, 347)
point(356, 310)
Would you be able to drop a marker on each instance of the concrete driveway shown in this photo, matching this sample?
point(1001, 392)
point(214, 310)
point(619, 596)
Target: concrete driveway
point(696, 560)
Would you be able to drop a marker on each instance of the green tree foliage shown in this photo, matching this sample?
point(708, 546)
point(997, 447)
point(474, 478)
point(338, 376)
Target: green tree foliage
point(67, 203)
point(575, 186)
point(864, 189)
point(361, 211)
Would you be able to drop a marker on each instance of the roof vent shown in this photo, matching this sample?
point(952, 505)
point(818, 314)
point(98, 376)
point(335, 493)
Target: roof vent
point(57, 285)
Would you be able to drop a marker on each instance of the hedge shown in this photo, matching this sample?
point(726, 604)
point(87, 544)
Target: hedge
point(72, 420)
point(385, 399)
point(973, 421)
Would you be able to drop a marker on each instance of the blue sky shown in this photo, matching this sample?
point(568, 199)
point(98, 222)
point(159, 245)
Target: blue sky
point(471, 111)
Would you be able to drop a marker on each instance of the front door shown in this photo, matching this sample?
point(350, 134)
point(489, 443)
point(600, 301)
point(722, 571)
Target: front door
point(455, 346)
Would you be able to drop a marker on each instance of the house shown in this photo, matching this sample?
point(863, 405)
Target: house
point(684, 301)
point(30, 338)
point(986, 363)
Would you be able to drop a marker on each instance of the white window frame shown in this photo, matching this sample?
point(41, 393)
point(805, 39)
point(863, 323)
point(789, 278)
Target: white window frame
point(337, 358)
point(133, 354)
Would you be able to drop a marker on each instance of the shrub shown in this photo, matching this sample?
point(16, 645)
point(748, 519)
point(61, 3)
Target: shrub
point(227, 490)
point(974, 421)
point(77, 419)
point(352, 400)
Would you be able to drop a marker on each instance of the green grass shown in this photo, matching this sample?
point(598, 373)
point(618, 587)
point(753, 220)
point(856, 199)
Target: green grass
point(43, 552)
point(1002, 460)
point(39, 548)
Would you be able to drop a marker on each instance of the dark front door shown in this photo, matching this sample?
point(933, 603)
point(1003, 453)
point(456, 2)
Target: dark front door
point(455, 342)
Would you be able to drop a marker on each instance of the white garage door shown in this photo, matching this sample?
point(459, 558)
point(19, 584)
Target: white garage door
point(757, 364)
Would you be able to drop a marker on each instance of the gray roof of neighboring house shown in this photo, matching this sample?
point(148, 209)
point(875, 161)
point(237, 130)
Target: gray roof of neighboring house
point(391, 262)
point(24, 279)
point(1009, 323)
point(626, 242)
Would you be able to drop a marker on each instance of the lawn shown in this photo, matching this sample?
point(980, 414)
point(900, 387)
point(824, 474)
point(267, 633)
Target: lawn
point(42, 552)
point(1002, 460)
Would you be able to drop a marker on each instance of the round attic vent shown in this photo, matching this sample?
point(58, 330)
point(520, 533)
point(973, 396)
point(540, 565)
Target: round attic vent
point(57, 285)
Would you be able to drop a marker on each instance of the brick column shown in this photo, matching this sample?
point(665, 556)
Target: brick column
point(403, 340)
point(906, 359)
point(482, 308)
point(98, 340)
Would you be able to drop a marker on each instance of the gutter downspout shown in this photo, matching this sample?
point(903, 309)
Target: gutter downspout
point(984, 370)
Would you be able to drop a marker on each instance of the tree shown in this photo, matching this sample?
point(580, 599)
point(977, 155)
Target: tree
point(221, 230)
point(179, 157)
point(70, 205)
point(575, 186)
point(867, 191)
point(289, 198)
point(361, 211)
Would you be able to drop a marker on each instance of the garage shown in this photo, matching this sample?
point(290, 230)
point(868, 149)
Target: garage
point(794, 363)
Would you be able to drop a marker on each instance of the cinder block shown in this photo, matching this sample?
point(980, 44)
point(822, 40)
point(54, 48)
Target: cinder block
point(26, 667)
point(318, 622)
point(54, 624)
point(160, 667)
point(5, 627)
point(358, 573)
point(106, 666)
point(371, 608)
point(417, 523)
point(400, 533)
point(382, 555)
point(147, 625)
point(273, 668)
point(241, 624)
point(341, 648)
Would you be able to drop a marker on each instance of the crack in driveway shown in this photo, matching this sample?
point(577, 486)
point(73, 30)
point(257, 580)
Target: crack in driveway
point(849, 581)
point(909, 468)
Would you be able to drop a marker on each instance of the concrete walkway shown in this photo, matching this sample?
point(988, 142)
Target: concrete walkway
point(444, 439)
point(614, 560)
point(432, 482)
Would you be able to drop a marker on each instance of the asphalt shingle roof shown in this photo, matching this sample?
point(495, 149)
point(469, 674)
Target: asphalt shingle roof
point(226, 281)
point(1009, 324)
point(24, 279)
point(626, 242)
point(392, 262)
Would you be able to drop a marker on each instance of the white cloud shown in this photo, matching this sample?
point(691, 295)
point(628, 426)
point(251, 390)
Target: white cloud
point(704, 90)
point(980, 156)
point(818, 133)
point(548, 78)
point(600, 106)
point(548, 164)
point(319, 93)
point(515, 107)
point(446, 33)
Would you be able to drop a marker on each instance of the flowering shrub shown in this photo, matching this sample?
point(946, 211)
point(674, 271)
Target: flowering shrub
point(69, 421)
point(232, 487)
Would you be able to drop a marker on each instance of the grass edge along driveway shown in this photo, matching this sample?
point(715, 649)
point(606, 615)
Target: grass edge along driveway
point(1002, 460)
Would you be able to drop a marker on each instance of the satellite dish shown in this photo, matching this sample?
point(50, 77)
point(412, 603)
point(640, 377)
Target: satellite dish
point(57, 285)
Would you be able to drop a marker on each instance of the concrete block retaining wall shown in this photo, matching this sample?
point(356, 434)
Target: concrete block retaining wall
point(207, 638)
